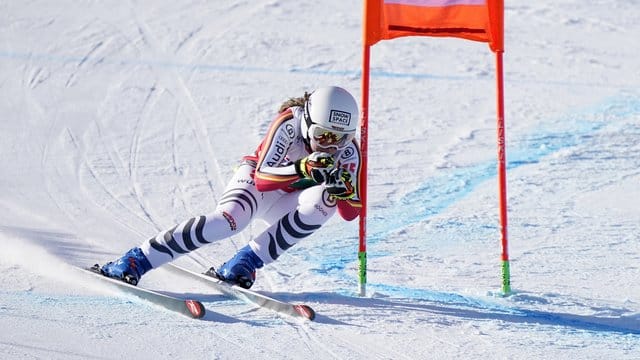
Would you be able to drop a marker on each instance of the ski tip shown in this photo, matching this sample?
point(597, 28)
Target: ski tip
point(195, 308)
point(305, 311)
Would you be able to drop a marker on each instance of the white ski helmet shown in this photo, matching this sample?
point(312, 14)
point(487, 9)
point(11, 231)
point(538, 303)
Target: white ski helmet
point(332, 109)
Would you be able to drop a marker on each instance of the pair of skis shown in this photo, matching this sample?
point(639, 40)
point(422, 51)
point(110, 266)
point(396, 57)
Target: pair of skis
point(194, 308)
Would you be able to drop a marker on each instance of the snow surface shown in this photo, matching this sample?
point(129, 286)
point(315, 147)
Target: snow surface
point(121, 118)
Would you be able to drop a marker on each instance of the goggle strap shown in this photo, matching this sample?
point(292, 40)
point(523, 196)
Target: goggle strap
point(307, 115)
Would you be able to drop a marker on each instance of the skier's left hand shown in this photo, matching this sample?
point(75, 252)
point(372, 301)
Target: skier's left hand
point(339, 184)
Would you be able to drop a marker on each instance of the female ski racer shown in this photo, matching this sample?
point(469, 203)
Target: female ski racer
point(305, 169)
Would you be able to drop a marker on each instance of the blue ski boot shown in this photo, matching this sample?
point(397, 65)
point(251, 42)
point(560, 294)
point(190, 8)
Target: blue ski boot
point(129, 268)
point(240, 270)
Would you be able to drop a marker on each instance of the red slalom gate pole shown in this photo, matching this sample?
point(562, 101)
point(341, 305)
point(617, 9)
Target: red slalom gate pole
point(364, 149)
point(502, 178)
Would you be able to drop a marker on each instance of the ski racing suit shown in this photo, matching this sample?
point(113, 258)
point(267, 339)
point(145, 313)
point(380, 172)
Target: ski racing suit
point(266, 186)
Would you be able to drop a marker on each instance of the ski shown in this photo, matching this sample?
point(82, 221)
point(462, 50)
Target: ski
point(294, 310)
point(188, 307)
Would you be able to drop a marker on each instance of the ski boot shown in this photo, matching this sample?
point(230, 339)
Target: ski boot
point(129, 268)
point(240, 270)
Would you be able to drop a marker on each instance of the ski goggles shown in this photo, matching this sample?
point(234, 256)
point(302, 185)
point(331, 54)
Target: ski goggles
point(327, 138)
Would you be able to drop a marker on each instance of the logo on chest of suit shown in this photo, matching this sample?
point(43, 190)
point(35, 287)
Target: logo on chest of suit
point(281, 146)
point(290, 132)
point(347, 153)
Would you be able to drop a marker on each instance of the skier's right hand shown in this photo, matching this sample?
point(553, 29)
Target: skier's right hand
point(316, 166)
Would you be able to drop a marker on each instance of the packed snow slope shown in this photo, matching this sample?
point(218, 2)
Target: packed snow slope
point(122, 118)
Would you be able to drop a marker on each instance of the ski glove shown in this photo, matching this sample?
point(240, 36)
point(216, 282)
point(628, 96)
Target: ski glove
point(339, 184)
point(317, 166)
